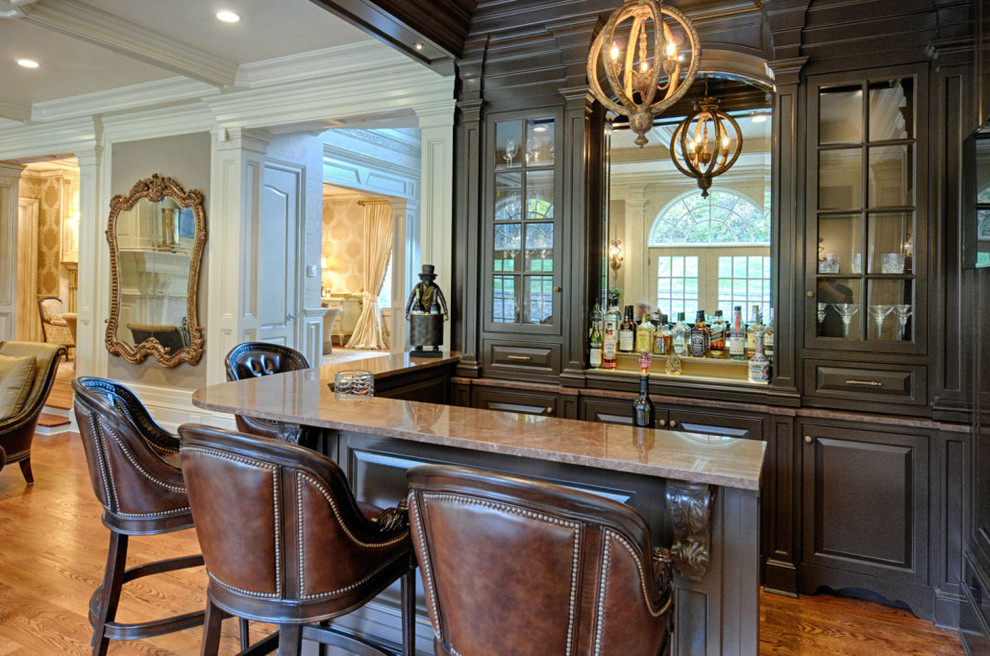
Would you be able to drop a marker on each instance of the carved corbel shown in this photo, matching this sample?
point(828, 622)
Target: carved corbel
point(690, 507)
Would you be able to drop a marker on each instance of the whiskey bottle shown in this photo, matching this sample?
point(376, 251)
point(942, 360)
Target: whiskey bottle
point(737, 336)
point(700, 336)
point(718, 347)
point(627, 332)
point(681, 336)
point(644, 334)
point(644, 412)
point(595, 357)
point(752, 328)
point(768, 331)
point(663, 337)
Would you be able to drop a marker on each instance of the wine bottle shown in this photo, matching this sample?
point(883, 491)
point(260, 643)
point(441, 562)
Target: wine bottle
point(644, 411)
point(595, 357)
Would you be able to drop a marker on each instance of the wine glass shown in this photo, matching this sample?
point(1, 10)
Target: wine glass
point(846, 312)
point(879, 313)
point(533, 149)
point(511, 148)
point(822, 309)
point(903, 313)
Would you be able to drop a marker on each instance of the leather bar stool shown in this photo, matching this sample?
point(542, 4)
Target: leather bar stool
point(286, 543)
point(516, 566)
point(253, 359)
point(134, 469)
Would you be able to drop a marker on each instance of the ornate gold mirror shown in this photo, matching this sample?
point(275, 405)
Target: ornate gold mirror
point(156, 235)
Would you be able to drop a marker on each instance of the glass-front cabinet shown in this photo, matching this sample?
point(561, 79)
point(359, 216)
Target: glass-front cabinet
point(522, 239)
point(867, 211)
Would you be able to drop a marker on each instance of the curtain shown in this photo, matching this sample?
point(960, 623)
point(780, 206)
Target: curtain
point(369, 332)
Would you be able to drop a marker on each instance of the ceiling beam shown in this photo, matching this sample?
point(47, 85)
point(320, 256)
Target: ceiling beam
point(96, 26)
point(15, 111)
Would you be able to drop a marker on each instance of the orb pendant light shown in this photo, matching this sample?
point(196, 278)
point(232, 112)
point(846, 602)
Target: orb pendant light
point(714, 146)
point(650, 54)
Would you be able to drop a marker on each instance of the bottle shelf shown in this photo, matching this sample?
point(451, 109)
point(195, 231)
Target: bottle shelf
point(692, 368)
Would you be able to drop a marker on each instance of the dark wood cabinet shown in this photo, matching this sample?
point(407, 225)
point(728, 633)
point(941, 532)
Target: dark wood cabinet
point(704, 422)
point(866, 511)
point(521, 401)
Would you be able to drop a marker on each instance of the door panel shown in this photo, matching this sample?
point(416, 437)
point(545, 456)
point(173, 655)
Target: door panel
point(276, 256)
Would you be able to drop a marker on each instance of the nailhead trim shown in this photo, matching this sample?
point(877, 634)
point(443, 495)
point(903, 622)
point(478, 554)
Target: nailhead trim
point(179, 489)
point(642, 571)
point(273, 469)
point(515, 510)
point(101, 460)
point(424, 566)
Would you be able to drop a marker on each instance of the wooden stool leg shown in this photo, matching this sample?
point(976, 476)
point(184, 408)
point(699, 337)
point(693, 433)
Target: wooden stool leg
point(408, 592)
point(113, 581)
point(290, 640)
point(211, 629)
point(26, 470)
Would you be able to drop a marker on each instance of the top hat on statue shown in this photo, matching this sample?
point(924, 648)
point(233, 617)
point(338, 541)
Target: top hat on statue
point(427, 272)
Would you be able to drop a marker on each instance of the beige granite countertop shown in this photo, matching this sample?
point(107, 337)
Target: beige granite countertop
point(305, 397)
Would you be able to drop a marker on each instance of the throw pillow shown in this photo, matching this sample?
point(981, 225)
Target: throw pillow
point(16, 380)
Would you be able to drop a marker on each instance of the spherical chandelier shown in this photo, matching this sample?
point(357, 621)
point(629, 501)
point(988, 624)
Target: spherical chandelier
point(714, 135)
point(645, 72)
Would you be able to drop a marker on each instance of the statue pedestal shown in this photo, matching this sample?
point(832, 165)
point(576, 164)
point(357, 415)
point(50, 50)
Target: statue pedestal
point(426, 335)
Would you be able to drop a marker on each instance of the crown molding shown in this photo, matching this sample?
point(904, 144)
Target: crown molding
point(82, 21)
point(159, 122)
point(68, 136)
point(147, 94)
point(352, 57)
point(15, 111)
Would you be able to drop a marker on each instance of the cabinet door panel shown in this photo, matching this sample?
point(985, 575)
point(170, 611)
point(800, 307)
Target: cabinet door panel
point(866, 502)
point(527, 403)
point(710, 423)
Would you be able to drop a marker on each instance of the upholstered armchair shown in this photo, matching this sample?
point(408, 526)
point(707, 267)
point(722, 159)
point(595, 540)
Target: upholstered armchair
point(17, 428)
point(54, 328)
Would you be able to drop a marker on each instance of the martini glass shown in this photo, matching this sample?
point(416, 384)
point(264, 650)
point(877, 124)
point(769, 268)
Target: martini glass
point(846, 312)
point(822, 309)
point(903, 313)
point(879, 313)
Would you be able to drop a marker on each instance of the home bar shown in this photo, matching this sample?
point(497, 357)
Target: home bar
point(724, 263)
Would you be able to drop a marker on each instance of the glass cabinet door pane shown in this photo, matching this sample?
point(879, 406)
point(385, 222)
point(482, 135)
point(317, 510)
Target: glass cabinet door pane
point(841, 237)
point(891, 176)
point(890, 309)
point(539, 247)
point(840, 115)
point(891, 244)
point(539, 142)
point(539, 300)
point(839, 308)
point(505, 299)
point(508, 242)
point(892, 109)
point(508, 197)
point(539, 194)
point(508, 144)
point(840, 179)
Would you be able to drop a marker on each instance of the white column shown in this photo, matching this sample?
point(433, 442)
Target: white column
point(436, 124)
point(636, 266)
point(93, 296)
point(10, 175)
point(231, 219)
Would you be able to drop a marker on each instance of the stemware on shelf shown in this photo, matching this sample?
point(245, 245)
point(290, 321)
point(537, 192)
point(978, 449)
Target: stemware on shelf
point(879, 313)
point(903, 313)
point(511, 148)
point(822, 309)
point(846, 312)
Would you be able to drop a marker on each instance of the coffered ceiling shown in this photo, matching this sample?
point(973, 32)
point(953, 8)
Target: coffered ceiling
point(87, 47)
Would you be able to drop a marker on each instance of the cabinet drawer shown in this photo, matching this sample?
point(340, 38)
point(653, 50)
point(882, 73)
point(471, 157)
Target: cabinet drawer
point(871, 383)
point(524, 357)
point(527, 403)
point(711, 423)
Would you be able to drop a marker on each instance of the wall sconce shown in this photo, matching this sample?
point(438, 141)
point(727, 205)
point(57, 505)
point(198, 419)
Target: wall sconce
point(615, 254)
point(644, 71)
point(712, 136)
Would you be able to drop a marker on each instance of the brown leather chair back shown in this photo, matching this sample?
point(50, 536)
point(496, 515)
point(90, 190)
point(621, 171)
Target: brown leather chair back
point(282, 536)
point(133, 462)
point(515, 566)
point(253, 359)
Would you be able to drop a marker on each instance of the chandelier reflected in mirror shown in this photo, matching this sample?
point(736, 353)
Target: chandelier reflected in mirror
point(715, 143)
point(653, 53)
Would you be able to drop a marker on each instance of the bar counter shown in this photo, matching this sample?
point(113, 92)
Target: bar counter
point(673, 478)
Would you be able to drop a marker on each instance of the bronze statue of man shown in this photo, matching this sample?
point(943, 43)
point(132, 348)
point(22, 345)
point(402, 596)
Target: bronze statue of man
point(426, 297)
point(426, 311)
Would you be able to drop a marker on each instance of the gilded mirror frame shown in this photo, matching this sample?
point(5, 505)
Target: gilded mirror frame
point(155, 189)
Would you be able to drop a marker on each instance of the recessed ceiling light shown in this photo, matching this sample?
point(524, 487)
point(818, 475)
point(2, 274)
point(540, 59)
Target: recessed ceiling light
point(418, 45)
point(228, 16)
point(28, 63)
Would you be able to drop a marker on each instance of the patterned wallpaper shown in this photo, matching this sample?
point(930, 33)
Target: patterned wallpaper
point(48, 190)
point(343, 244)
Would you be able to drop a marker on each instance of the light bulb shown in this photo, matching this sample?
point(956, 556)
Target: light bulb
point(615, 52)
point(672, 50)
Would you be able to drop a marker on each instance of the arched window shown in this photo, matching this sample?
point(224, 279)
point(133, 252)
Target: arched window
point(711, 253)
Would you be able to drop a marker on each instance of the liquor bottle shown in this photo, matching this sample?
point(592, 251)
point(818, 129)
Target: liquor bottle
point(644, 413)
point(737, 335)
point(644, 334)
point(595, 358)
point(663, 337)
point(609, 344)
point(759, 365)
point(681, 336)
point(612, 319)
point(597, 319)
point(752, 328)
point(700, 336)
point(718, 336)
point(768, 337)
point(627, 332)
point(673, 366)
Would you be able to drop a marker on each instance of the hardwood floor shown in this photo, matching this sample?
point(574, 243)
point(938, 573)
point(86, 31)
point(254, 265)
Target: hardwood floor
point(53, 546)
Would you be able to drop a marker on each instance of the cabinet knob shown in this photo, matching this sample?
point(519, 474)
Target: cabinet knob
point(672, 423)
point(661, 422)
point(549, 409)
point(809, 439)
point(556, 289)
point(810, 293)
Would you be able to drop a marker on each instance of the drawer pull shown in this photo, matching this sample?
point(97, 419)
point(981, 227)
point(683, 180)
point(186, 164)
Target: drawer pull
point(549, 409)
point(524, 358)
point(673, 423)
point(869, 383)
point(662, 423)
point(808, 439)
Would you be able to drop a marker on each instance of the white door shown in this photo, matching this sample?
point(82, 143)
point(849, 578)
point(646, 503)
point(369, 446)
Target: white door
point(281, 214)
